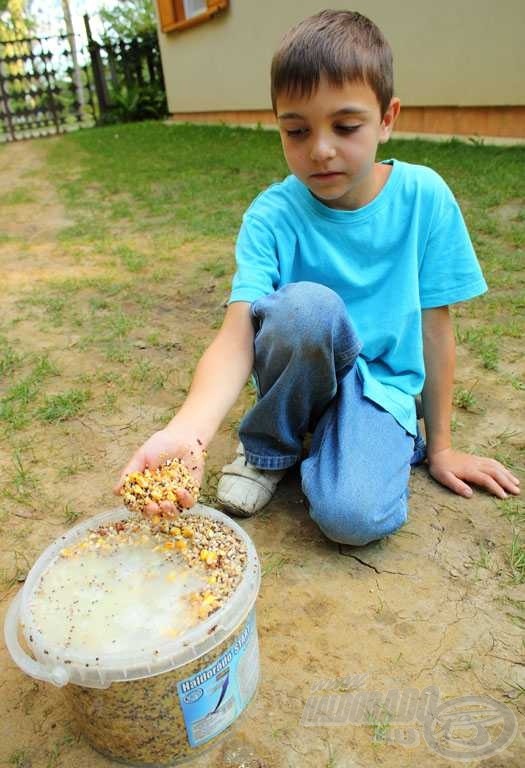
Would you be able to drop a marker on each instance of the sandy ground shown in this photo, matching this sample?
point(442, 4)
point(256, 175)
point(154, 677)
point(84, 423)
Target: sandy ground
point(413, 611)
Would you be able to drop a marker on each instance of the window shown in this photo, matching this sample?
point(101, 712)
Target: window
point(176, 15)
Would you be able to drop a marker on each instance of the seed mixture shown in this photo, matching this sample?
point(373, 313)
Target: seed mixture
point(203, 544)
point(157, 485)
point(141, 721)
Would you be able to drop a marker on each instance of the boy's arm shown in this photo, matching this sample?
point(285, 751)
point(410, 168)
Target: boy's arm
point(218, 380)
point(452, 468)
point(220, 375)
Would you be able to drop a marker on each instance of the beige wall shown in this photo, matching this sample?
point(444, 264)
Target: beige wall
point(446, 52)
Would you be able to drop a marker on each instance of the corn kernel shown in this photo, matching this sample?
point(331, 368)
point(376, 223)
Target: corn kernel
point(210, 558)
point(208, 600)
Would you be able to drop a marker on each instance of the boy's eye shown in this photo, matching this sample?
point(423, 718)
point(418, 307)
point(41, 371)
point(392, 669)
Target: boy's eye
point(296, 131)
point(347, 128)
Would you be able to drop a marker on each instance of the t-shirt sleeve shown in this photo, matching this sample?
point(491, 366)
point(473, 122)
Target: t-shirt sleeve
point(449, 270)
point(257, 272)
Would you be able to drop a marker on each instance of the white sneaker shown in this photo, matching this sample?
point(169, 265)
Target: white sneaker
point(244, 489)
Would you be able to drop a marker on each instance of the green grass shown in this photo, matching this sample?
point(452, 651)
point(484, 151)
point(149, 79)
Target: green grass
point(173, 173)
point(17, 197)
point(19, 759)
point(23, 478)
point(131, 259)
point(63, 406)
point(379, 722)
point(464, 398)
point(71, 514)
point(77, 465)
point(273, 563)
point(9, 358)
point(517, 558)
point(15, 412)
point(513, 509)
point(484, 559)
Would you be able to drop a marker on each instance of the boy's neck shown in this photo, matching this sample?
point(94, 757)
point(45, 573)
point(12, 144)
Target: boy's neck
point(364, 195)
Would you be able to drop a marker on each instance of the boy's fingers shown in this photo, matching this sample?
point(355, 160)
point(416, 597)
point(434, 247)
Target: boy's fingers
point(502, 475)
point(184, 498)
point(457, 485)
point(151, 508)
point(168, 508)
point(136, 464)
point(507, 482)
point(486, 481)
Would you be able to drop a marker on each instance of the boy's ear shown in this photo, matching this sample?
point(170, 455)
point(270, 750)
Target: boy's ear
point(389, 119)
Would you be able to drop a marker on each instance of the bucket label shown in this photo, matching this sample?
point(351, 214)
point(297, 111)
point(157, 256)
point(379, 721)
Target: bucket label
point(215, 696)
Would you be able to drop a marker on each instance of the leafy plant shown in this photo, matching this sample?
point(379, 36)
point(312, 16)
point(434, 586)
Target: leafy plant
point(128, 18)
point(130, 105)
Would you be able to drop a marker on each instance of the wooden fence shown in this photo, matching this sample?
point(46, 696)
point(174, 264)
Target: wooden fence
point(38, 95)
point(42, 94)
point(127, 77)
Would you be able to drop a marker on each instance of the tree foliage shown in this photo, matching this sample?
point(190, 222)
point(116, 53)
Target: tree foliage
point(129, 18)
point(15, 21)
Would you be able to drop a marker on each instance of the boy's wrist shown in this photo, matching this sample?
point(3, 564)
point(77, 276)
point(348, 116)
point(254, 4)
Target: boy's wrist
point(195, 432)
point(433, 448)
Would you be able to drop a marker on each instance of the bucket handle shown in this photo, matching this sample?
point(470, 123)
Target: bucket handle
point(57, 675)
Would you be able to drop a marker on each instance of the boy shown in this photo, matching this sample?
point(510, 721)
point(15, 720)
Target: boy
point(339, 306)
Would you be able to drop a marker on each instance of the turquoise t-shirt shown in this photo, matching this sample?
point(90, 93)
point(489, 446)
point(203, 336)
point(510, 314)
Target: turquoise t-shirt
point(405, 251)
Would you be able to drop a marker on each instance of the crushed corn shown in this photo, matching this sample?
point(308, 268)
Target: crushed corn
point(187, 543)
point(157, 485)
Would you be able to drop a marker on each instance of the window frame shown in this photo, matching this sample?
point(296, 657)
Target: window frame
point(172, 15)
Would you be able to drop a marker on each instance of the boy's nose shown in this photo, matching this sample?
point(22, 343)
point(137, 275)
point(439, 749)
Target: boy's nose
point(321, 150)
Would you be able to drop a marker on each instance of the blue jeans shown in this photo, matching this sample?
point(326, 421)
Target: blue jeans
point(356, 475)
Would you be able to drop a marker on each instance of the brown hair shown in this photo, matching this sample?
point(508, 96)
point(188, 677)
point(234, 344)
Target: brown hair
point(344, 46)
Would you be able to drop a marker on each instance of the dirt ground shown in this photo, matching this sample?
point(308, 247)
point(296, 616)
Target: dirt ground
point(434, 605)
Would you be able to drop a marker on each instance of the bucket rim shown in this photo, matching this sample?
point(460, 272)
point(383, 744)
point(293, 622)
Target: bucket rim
point(170, 653)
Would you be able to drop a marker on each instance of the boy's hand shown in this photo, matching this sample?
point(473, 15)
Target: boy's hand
point(168, 443)
point(451, 468)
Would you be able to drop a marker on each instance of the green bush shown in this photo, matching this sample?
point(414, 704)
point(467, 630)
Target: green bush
point(147, 102)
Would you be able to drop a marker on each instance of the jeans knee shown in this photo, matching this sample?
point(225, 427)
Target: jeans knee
point(357, 522)
point(301, 311)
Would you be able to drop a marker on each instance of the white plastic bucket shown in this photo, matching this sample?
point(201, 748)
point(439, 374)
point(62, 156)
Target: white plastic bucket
point(151, 709)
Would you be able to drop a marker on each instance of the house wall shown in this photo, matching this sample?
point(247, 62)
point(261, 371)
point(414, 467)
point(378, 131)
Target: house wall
point(455, 53)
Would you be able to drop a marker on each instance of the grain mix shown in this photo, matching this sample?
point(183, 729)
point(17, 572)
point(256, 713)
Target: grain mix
point(158, 485)
point(142, 721)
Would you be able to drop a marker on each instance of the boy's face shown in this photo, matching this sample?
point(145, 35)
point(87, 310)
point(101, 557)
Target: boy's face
point(330, 140)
